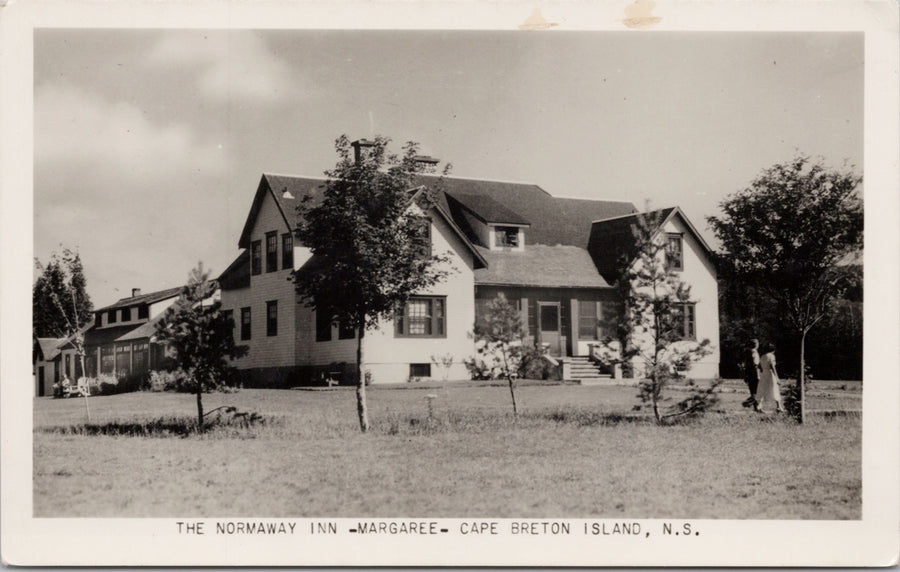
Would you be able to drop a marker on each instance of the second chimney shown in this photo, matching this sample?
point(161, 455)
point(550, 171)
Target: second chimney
point(358, 145)
point(135, 292)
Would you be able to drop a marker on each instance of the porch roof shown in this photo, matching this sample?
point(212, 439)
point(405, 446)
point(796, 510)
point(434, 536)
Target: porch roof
point(540, 265)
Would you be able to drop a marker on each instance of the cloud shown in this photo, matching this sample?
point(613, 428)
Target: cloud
point(231, 65)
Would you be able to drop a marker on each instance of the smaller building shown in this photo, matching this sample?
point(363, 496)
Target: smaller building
point(47, 365)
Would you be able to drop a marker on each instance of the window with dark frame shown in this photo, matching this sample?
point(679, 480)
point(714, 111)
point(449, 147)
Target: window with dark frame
point(506, 236)
point(587, 320)
point(420, 370)
point(98, 319)
point(256, 257)
point(345, 331)
point(272, 318)
point(271, 251)
point(323, 326)
point(143, 312)
point(126, 314)
point(684, 320)
point(111, 317)
point(287, 251)
point(674, 251)
point(422, 317)
point(426, 246)
point(245, 323)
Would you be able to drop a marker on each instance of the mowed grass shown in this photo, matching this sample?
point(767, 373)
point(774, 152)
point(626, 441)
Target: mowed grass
point(571, 454)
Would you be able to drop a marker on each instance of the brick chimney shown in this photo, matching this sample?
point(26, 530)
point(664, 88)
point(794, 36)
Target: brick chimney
point(135, 292)
point(358, 146)
point(426, 163)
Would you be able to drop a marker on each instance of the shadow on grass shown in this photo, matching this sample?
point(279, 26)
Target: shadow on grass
point(241, 425)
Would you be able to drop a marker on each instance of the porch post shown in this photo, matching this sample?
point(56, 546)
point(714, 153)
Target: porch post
point(573, 326)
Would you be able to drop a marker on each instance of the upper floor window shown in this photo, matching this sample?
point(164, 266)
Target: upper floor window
point(256, 257)
point(271, 251)
point(684, 320)
point(287, 251)
point(674, 251)
point(506, 236)
point(272, 318)
point(345, 331)
point(422, 316)
point(426, 246)
point(245, 323)
point(111, 317)
point(126, 314)
point(143, 312)
point(98, 319)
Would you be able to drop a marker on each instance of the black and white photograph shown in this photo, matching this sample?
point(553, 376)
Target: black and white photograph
point(551, 292)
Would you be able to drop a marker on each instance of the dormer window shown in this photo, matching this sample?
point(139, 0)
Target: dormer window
point(506, 236)
point(674, 251)
point(126, 314)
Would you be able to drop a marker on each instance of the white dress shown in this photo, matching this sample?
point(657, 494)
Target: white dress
point(768, 390)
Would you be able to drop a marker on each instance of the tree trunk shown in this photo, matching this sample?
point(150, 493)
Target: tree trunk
point(512, 392)
point(655, 394)
point(361, 408)
point(199, 405)
point(801, 377)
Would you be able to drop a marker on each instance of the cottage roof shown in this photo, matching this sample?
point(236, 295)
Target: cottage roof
point(150, 298)
point(559, 266)
point(103, 336)
point(145, 330)
point(50, 347)
point(488, 210)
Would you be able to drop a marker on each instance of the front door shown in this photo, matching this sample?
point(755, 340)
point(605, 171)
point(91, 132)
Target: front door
point(41, 381)
point(548, 314)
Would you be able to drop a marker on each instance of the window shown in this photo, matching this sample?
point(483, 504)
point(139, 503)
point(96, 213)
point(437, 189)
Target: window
point(255, 257)
point(111, 317)
point(143, 312)
point(423, 316)
point(68, 366)
point(98, 319)
point(684, 320)
point(229, 316)
point(420, 370)
point(126, 314)
point(426, 246)
point(287, 251)
point(139, 357)
point(587, 320)
point(272, 318)
point(507, 236)
point(107, 359)
point(245, 323)
point(323, 326)
point(345, 331)
point(674, 252)
point(271, 251)
point(123, 360)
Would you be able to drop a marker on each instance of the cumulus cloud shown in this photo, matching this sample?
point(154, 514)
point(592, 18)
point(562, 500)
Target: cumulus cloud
point(231, 65)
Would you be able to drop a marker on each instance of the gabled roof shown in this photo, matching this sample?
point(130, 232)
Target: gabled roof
point(49, 347)
point(487, 210)
point(288, 192)
point(553, 220)
point(559, 266)
point(150, 298)
point(237, 275)
point(103, 336)
point(145, 330)
point(612, 239)
point(479, 261)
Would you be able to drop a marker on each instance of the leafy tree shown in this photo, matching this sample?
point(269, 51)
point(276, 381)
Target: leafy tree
point(501, 332)
point(61, 307)
point(201, 335)
point(787, 234)
point(370, 242)
point(651, 328)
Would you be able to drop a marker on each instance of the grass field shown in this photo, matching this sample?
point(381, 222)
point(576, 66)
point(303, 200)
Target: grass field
point(570, 455)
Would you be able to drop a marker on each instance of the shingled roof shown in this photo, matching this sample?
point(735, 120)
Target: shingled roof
point(50, 347)
point(559, 266)
point(150, 298)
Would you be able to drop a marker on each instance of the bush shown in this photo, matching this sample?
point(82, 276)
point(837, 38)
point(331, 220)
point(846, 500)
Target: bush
point(534, 364)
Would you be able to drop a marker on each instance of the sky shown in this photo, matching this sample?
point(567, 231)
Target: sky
point(149, 144)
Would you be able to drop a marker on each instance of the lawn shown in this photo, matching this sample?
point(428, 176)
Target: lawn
point(570, 455)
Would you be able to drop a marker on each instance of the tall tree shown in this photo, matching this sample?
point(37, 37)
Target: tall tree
point(61, 307)
point(370, 241)
point(201, 335)
point(787, 234)
point(653, 340)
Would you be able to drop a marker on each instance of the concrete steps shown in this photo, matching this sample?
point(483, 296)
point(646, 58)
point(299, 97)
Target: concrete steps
point(584, 371)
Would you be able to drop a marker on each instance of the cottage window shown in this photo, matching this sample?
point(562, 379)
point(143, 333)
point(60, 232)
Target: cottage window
point(256, 257)
point(674, 251)
point(506, 236)
point(107, 359)
point(139, 357)
point(587, 320)
point(323, 326)
point(126, 314)
point(422, 316)
point(98, 319)
point(123, 360)
point(287, 251)
point(245, 323)
point(68, 367)
point(684, 321)
point(272, 318)
point(111, 317)
point(271, 251)
point(143, 312)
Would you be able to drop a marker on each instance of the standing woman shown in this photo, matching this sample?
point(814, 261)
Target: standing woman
point(768, 389)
